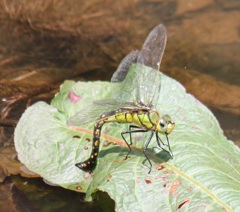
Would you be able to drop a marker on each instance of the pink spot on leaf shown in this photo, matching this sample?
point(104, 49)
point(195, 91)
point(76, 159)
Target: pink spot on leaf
point(79, 188)
point(159, 167)
point(168, 172)
point(109, 178)
point(164, 178)
point(74, 97)
point(174, 187)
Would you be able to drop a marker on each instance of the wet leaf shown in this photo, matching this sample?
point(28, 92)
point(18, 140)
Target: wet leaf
point(203, 171)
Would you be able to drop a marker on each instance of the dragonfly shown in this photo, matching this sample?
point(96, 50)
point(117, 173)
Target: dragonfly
point(136, 87)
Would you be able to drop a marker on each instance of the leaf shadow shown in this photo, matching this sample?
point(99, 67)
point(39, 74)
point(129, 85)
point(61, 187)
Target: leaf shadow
point(159, 157)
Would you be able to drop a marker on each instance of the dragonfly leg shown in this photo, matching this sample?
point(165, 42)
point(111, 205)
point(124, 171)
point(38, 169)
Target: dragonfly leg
point(130, 133)
point(145, 149)
point(129, 145)
point(159, 141)
point(170, 151)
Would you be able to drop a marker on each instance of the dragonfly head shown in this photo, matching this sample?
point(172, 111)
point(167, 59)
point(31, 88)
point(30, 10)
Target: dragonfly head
point(165, 125)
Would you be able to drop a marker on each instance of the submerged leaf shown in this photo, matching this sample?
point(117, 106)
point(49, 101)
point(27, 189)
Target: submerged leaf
point(203, 174)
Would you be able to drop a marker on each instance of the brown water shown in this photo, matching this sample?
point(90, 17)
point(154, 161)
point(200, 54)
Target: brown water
point(43, 43)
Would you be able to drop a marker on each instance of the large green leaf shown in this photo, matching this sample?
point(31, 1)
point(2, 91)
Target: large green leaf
point(204, 174)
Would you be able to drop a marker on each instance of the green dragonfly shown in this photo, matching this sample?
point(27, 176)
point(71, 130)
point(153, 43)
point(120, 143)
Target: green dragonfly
point(136, 87)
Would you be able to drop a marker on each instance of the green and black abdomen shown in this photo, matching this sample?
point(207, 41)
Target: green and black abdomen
point(91, 162)
point(113, 116)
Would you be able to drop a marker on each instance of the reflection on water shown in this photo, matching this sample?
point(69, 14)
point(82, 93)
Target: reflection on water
point(43, 43)
point(26, 194)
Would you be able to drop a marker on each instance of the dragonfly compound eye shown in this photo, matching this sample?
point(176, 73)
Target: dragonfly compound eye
point(169, 124)
point(162, 124)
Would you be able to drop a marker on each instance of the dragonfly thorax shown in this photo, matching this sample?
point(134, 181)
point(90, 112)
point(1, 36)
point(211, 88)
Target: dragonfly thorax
point(146, 118)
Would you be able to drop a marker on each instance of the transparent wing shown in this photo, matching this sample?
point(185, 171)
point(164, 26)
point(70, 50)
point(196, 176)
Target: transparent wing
point(122, 88)
point(91, 113)
point(149, 81)
point(140, 83)
point(120, 74)
point(114, 104)
point(88, 115)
